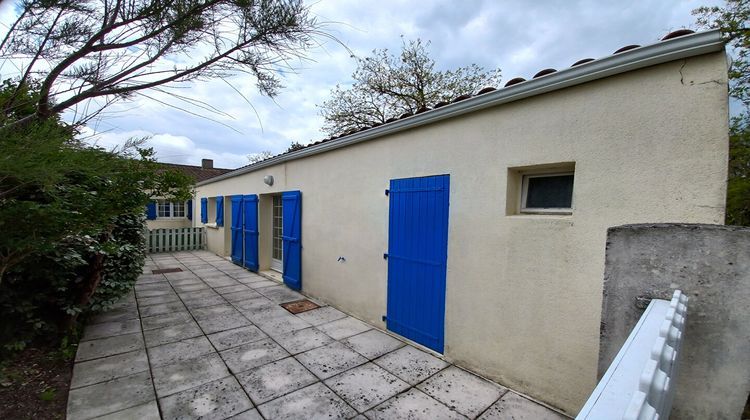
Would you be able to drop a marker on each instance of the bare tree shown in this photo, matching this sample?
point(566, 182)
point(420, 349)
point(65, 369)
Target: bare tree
point(259, 157)
point(101, 51)
point(387, 86)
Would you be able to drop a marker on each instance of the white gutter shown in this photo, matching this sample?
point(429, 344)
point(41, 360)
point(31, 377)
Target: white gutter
point(646, 56)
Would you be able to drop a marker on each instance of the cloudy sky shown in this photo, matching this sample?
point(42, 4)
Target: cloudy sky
point(520, 37)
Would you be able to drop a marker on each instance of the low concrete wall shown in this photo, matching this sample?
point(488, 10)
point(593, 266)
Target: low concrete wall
point(709, 263)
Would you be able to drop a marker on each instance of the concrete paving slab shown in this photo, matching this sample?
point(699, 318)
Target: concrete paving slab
point(166, 320)
point(162, 308)
point(108, 346)
point(148, 411)
point(267, 313)
point(214, 310)
point(241, 295)
point(199, 294)
point(330, 359)
point(108, 368)
point(254, 305)
point(111, 329)
point(152, 286)
point(204, 302)
point(109, 397)
point(413, 404)
point(152, 293)
point(321, 315)
point(262, 284)
point(302, 340)
point(248, 356)
point(275, 379)
point(220, 281)
point(186, 281)
point(313, 402)
point(462, 391)
point(123, 313)
point(176, 377)
point(247, 415)
point(236, 337)
point(279, 293)
point(171, 334)
point(180, 275)
point(514, 406)
point(214, 400)
point(344, 327)
point(281, 324)
point(231, 289)
point(191, 287)
point(373, 343)
point(179, 351)
point(156, 300)
point(223, 323)
point(410, 364)
point(366, 386)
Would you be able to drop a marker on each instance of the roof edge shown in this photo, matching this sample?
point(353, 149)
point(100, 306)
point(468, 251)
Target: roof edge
point(650, 55)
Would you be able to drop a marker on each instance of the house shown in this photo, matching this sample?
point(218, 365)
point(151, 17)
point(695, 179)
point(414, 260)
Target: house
point(161, 213)
point(478, 228)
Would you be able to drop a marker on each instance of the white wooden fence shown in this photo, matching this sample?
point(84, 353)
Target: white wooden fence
point(640, 382)
point(176, 239)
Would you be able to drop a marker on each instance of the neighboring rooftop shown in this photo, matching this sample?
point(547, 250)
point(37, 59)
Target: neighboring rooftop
point(676, 45)
point(200, 173)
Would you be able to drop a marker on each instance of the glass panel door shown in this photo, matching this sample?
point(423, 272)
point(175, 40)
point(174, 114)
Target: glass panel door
point(277, 253)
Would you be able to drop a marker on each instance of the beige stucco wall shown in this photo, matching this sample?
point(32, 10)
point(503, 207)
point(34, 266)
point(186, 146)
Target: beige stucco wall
point(523, 296)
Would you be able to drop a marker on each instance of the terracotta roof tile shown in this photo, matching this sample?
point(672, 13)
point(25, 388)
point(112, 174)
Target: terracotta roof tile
point(196, 172)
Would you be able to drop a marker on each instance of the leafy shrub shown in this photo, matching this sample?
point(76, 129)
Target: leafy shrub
point(41, 294)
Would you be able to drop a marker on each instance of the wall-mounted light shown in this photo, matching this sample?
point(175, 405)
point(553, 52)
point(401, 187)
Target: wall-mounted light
point(268, 179)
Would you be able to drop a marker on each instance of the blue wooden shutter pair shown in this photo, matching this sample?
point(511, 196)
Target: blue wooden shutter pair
point(151, 210)
point(219, 211)
point(250, 231)
point(190, 209)
point(291, 202)
point(204, 210)
point(237, 229)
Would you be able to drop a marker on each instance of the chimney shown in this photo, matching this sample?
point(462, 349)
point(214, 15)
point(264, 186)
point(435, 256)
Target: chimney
point(207, 163)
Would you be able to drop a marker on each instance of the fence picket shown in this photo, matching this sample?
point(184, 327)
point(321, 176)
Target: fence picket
point(170, 240)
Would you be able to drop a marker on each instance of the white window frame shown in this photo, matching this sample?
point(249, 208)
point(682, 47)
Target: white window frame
point(171, 216)
point(544, 210)
point(277, 265)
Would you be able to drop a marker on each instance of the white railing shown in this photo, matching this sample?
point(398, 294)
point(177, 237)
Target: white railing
point(175, 239)
point(640, 382)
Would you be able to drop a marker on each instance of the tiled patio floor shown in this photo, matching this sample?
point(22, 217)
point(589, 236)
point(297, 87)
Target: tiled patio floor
point(213, 342)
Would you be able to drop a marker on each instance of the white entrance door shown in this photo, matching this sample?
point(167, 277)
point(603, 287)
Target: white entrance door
point(277, 253)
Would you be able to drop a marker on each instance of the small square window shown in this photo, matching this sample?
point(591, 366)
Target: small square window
point(178, 209)
point(164, 209)
point(547, 193)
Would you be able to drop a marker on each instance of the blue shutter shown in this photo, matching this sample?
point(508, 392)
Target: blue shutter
point(250, 231)
point(151, 210)
point(204, 210)
point(237, 229)
point(190, 209)
point(219, 211)
point(291, 203)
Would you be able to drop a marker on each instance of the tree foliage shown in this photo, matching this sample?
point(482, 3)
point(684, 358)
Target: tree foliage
point(733, 19)
point(387, 86)
point(106, 50)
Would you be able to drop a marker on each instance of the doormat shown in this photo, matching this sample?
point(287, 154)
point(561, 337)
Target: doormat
point(166, 270)
point(299, 306)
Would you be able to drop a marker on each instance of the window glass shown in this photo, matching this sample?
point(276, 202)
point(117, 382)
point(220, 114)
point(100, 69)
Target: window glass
point(277, 249)
point(164, 209)
point(178, 209)
point(549, 192)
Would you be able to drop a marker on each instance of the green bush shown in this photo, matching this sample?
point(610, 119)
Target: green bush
point(41, 294)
